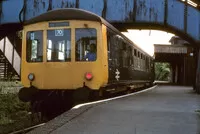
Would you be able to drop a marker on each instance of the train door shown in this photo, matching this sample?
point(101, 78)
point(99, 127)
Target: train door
point(113, 57)
point(130, 62)
point(124, 64)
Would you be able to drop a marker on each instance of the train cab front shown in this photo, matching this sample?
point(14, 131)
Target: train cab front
point(62, 56)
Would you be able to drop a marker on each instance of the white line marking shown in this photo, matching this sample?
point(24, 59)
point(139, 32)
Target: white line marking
point(114, 98)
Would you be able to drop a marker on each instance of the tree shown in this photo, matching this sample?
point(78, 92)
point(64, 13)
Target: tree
point(162, 71)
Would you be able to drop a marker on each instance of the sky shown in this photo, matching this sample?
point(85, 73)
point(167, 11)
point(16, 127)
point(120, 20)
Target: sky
point(145, 39)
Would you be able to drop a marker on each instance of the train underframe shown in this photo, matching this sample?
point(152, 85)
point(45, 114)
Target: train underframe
point(51, 103)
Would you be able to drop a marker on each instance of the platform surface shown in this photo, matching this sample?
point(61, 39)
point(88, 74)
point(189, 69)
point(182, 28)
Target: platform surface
point(163, 110)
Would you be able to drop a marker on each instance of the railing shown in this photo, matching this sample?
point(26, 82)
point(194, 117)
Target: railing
point(11, 54)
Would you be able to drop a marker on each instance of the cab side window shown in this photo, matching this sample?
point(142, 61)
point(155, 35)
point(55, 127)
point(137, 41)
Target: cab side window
point(86, 44)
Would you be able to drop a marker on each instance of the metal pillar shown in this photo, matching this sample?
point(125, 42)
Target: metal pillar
point(197, 81)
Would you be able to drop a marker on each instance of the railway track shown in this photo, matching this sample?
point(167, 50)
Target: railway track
point(25, 130)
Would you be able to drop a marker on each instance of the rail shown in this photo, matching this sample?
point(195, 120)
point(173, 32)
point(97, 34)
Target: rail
point(27, 129)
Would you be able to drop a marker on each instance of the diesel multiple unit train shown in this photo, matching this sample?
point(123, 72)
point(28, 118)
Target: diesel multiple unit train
point(71, 54)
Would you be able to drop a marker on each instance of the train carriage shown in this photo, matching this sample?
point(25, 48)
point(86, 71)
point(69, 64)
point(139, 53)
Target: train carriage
point(71, 53)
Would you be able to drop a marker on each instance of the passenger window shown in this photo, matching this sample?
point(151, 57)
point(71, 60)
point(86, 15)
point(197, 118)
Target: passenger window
point(130, 59)
point(86, 44)
point(138, 54)
point(59, 45)
point(135, 52)
point(34, 47)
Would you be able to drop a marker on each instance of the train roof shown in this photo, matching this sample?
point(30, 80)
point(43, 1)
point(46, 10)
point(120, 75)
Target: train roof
point(73, 14)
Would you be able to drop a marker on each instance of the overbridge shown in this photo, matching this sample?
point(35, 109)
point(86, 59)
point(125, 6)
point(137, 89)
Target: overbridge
point(176, 16)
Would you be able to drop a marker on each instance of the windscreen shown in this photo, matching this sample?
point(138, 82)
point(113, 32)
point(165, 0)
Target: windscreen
point(59, 45)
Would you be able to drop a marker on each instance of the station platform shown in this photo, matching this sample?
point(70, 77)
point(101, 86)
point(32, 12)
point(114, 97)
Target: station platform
point(161, 110)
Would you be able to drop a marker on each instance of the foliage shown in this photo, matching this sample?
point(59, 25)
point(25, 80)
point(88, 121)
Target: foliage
point(162, 71)
point(11, 108)
point(14, 114)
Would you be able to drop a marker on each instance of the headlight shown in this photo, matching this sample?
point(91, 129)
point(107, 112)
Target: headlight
point(31, 76)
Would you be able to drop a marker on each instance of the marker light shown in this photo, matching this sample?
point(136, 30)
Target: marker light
point(88, 76)
point(31, 76)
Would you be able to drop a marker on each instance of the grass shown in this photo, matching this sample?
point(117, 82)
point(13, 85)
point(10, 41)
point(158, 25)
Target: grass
point(11, 108)
point(14, 114)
